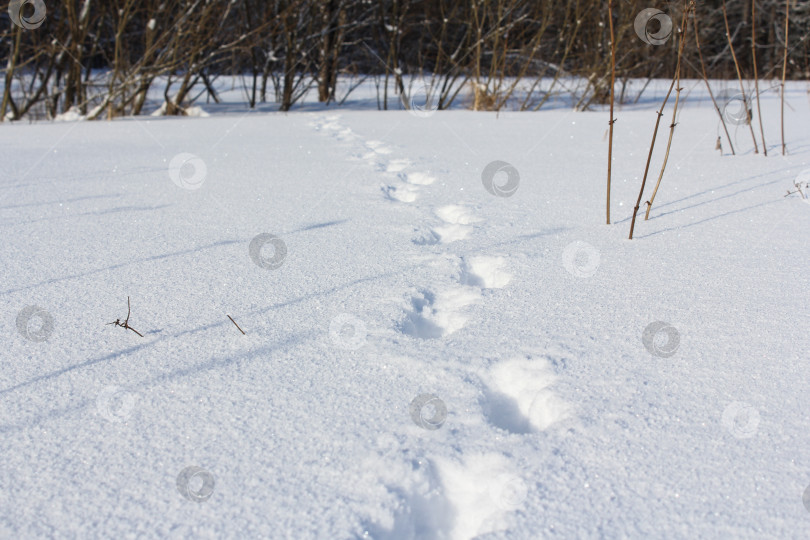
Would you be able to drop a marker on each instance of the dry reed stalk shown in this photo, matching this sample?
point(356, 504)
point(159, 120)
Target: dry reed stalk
point(673, 124)
point(756, 75)
point(784, 72)
point(739, 77)
point(612, 98)
point(706, 80)
point(657, 123)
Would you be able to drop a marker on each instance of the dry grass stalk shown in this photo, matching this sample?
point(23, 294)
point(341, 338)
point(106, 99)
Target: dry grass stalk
point(125, 325)
point(674, 113)
point(739, 77)
point(612, 98)
point(756, 75)
point(709, 88)
point(236, 325)
point(657, 124)
point(784, 72)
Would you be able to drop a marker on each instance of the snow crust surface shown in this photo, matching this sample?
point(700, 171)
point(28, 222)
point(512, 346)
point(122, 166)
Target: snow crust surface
point(422, 358)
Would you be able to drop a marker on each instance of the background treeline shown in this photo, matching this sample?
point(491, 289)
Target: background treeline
point(101, 57)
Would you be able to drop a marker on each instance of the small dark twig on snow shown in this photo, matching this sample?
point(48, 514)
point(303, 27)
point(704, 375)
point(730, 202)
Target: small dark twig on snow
point(798, 186)
point(236, 325)
point(125, 325)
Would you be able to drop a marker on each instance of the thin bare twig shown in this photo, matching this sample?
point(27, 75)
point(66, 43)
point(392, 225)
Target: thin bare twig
point(125, 325)
point(678, 90)
point(739, 77)
point(784, 72)
point(612, 98)
point(756, 75)
point(706, 80)
point(236, 325)
point(798, 186)
point(658, 122)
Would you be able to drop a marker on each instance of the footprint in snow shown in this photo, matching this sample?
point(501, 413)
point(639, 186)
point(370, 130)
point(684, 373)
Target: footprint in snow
point(378, 147)
point(403, 193)
point(456, 223)
point(435, 315)
point(397, 165)
point(481, 489)
point(485, 272)
point(518, 397)
point(418, 178)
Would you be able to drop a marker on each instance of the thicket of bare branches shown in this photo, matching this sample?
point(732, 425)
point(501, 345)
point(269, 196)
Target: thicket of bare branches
point(101, 58)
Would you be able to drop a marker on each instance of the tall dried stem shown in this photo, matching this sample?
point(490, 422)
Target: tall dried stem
point(658, 122)
point(756, 75)
point(12, 60)
point(612, 98)
point(708, 87)
point(739, 77)
point(674, 117)
point(784, 72)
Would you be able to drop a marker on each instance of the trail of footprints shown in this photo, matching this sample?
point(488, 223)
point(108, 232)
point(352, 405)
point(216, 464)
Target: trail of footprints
point(437, 314)
point(517, 397)
point(438, 311)
point(404, 185)
point(431, 313)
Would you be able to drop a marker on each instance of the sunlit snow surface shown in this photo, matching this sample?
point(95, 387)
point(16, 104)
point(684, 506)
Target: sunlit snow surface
point(429, 352)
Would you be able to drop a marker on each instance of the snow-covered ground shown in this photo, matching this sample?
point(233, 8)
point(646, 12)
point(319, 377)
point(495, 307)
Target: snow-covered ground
point(435, 346)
